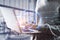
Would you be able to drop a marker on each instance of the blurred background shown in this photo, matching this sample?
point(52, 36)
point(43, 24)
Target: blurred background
point(27, 10)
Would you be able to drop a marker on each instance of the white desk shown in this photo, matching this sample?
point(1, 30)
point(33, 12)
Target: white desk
point(32, 32)
point(29, 31)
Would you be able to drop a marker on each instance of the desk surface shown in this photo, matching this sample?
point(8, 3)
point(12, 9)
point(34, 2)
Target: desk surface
point(31, 31)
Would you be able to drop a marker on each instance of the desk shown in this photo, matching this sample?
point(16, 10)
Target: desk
point(32, 32)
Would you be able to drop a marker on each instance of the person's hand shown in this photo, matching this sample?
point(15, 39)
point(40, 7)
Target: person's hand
point(34, 26)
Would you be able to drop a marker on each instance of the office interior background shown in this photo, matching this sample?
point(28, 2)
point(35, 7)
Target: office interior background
point(26, 11)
